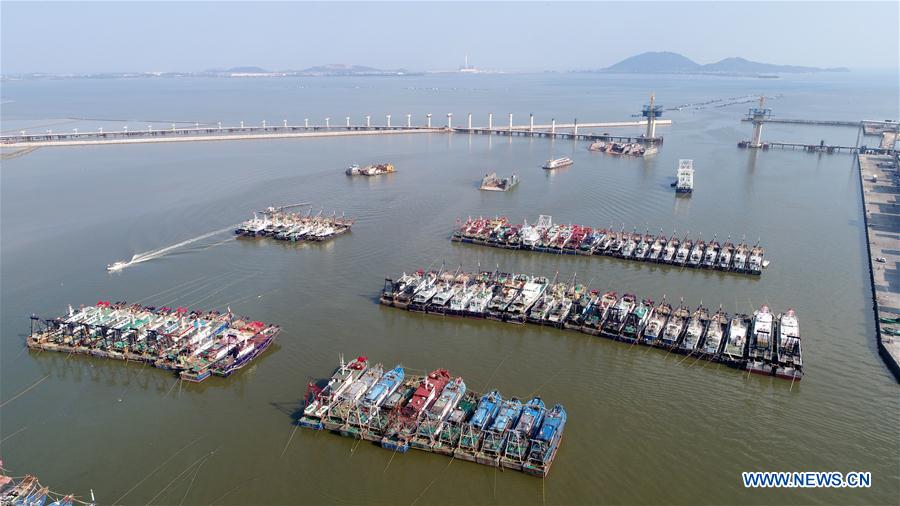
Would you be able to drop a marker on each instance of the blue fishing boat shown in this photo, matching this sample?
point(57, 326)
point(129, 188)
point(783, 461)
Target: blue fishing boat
point(383, 388)
point(545, 445)
point(495, 435)
point(470, 439)
point(516, 449)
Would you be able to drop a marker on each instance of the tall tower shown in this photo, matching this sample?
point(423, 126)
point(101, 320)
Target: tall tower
point(758, 115)
point(651, 112)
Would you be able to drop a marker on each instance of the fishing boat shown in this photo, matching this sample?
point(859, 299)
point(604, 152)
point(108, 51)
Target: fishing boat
point(345, 375)
point(725, 256)
point(656, 324)
point(508, 292)
point(557, 163)
point(448, 437)
point(693, 334)
point(491, 182)
point(471, 434)
point(581, 306)
point(755, 262)
point(714, 341)
point(427, 289)
point(346, 405)
point(596, 316)
point(441, 300)
point(519, 438)
point(681, 257)
point(670, 250)
point(403, 296)
point(635, 321)
point(711, 254)
point(546, 443)
point(789, 360)
point(739, 260)
point(599, 146)
point(612, 325)
point(482, 295)
point(403, 426)
point(656, 248)
point(382, 389)
point(561, 307)
point(531, 291)
point(675, 327)
point(760, 353)
point(433, 422)
point(735, 351)
point(495, 436)
point(695, 259)
point(541, 309)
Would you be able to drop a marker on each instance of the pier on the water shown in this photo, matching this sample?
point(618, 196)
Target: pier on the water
point(219, 132)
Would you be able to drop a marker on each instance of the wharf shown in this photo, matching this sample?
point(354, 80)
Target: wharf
point(760, 343)
point(841, 123)
point(880, 185)
point(435, 413)
point(193, 344)
point(811, 148)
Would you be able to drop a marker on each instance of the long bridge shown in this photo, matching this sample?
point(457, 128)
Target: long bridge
point(124, 135)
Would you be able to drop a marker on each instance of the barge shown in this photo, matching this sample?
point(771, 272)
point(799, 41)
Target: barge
point(194, 344)
point(738, 341)
point(491, 182)
point(437, 414)
point(571, 239)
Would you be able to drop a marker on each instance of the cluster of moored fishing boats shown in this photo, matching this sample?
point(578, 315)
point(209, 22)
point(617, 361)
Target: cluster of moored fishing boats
point(289, 226)
point(370, 170)
point(28, 491)
point(761, 343)
point(547, 237)
point(194, 344)
point(436, 413)
point(492, 182)
point(622, 148)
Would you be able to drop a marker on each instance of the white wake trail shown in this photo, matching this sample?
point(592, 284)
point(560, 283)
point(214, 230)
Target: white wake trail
point(153, 254)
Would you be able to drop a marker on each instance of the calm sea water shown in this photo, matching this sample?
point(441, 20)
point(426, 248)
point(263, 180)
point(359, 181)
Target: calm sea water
point(645, 427)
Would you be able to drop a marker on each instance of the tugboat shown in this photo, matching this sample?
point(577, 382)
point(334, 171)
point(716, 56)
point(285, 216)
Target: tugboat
point(789, 360)
point(516, 450)
point(495, 436)
point(545, 445)
point(472, 432)
point(557, 163)
point(761, 352)
point(491, 182)
point(736, 344)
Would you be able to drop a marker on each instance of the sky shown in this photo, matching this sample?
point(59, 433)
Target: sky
point(132, 36)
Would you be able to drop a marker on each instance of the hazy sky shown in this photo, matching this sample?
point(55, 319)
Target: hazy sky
point(139, 36)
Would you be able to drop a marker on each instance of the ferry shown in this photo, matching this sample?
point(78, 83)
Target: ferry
point(557, 163)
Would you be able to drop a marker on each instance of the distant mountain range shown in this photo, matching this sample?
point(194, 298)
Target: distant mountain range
point(674, 63)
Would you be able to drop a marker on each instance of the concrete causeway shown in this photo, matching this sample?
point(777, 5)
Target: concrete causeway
point(881, 201)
